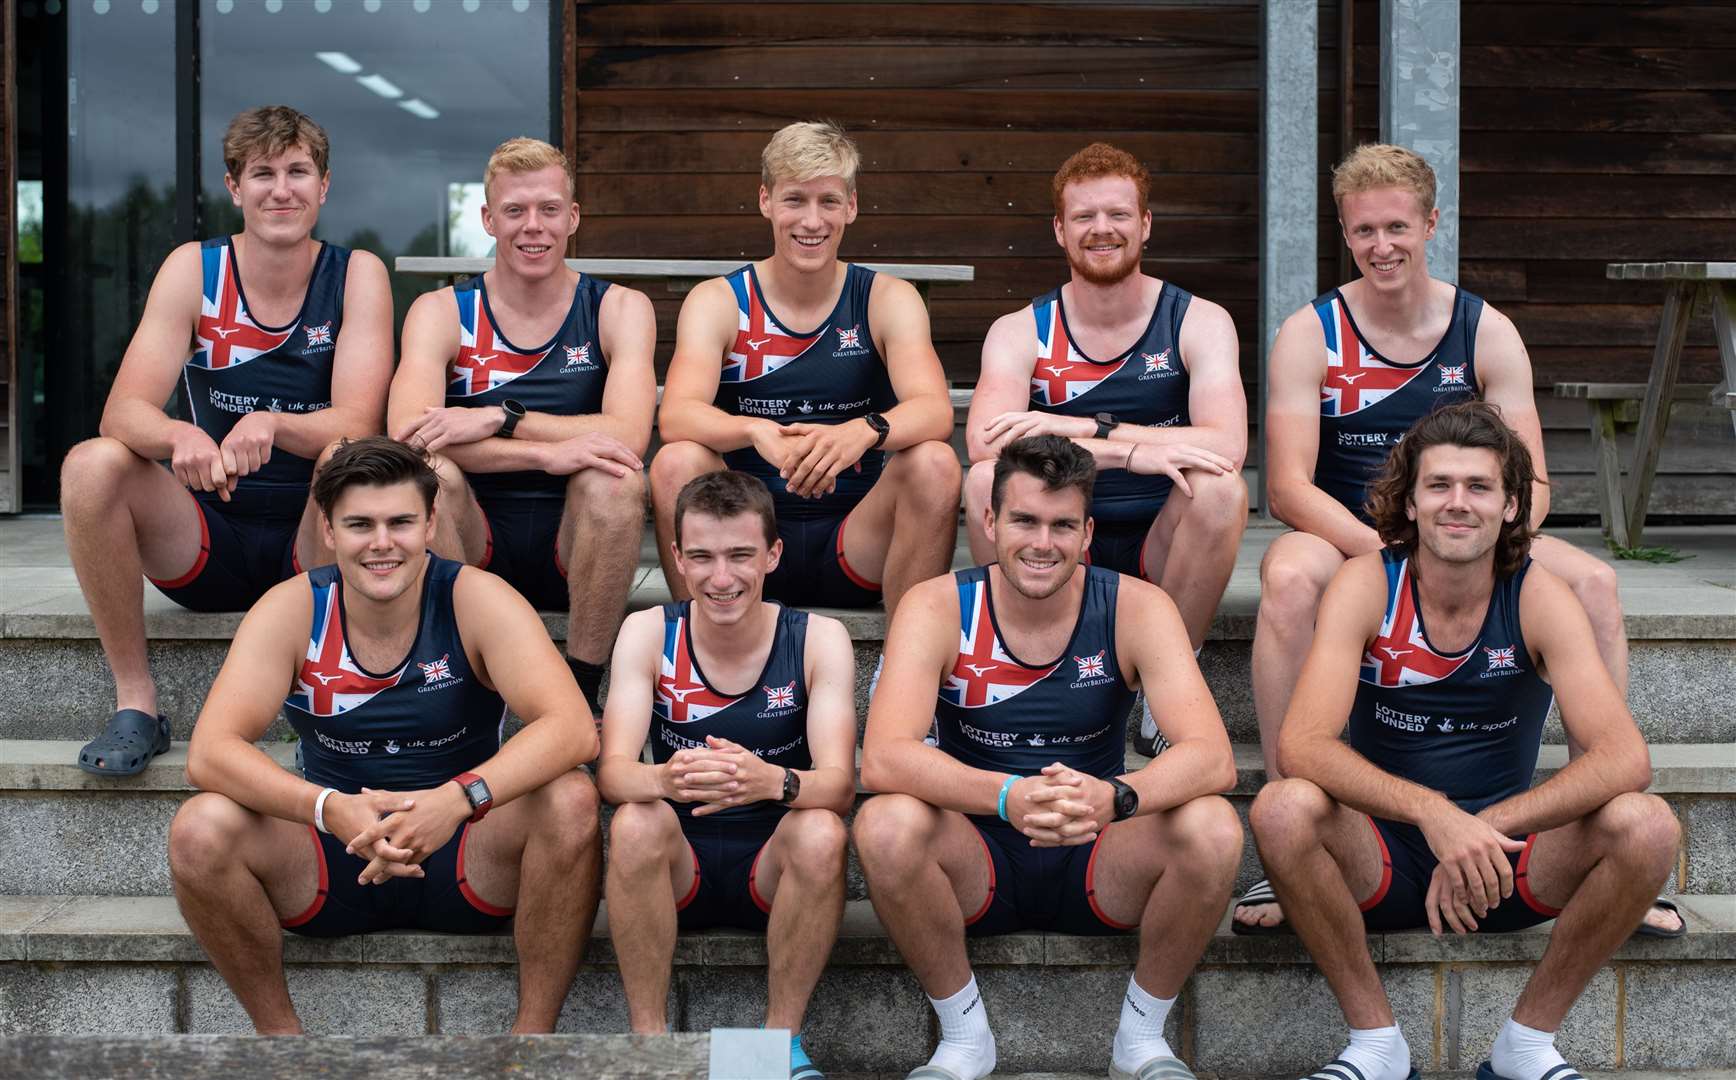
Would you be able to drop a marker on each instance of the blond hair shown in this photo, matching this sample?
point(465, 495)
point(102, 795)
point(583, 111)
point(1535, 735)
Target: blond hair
point(1382, 165)
point(524, 155)
point(807, 149)
point(268, 131)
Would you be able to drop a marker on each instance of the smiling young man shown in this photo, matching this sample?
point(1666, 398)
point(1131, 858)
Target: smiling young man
point(1442, 653)
point(737, 822)
point(268, 375)
point(818, 377)
point(1349, 374)
point(539, 441)
point(1140, 373)
point(1024, 816)
point(410, 813)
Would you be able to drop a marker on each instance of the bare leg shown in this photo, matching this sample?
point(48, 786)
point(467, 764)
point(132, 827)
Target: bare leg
point(460, 528)
point(801, 873)
point(1191, 548)
point(904, 530)
point(603, 520)
point(1594, 582)
point(125, 517)
point(650, 866)
point(675, 464)
point(236, 875)
point(978, 489)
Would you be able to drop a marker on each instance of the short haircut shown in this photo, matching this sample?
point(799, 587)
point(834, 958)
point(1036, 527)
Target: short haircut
point(1382, 165)
point(1058, 462)
point(375, 461)
point(724, 494)
point(1098, 160)
point(525, 155)
point(268, 131)
point(1473, 424)
point(807, 149)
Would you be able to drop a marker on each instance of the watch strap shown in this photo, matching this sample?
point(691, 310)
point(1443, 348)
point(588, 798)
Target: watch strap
point(514, 413)
point(479, 811)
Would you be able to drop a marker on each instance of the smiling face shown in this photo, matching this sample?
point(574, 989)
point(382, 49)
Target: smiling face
point(1387, 233)
point(1039, 535)
point(808, 219)
point(531, 216)
point(1458, 502)
point(279, 197)
point(724, 562)
point(380, 534)
point(1102, 229)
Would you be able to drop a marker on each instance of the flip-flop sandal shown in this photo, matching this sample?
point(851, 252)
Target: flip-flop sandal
point(1339, 1069)
point(1260, 892)
point(931, 1072)
point(133, 738)
point(1563, 1071)
point(1158, 1068)
point(806, 1072)
point(1646, 929)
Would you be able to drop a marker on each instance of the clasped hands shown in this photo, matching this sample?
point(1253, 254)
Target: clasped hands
point(396, 830)
point(809, 457)
point(1473, 875)
point(200, 463)
point(719, 775)
point(1060, 806)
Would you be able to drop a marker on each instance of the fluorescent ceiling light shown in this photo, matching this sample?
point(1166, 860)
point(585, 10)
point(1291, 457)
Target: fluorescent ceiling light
point(380, 85)
point(418, 107)
point(342, 63)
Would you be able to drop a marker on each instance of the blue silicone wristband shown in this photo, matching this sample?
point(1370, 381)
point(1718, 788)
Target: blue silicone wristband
point(1001, 803)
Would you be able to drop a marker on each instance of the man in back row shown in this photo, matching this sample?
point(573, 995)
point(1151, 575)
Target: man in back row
point(541, 442)
point(818, 377)
point(268, 375)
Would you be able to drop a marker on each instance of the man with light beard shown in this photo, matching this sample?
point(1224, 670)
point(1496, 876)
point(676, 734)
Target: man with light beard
point(1140, 373)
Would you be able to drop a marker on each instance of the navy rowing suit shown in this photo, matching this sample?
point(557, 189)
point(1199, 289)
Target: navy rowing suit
point(769, 718)
point(239, 365)
point(1001, 713)
point(563, 376)
point(1368, 402)
point(1467, 724)
point(410, 728)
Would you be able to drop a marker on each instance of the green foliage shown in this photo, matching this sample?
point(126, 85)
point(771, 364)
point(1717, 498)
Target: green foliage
point(1645, 554)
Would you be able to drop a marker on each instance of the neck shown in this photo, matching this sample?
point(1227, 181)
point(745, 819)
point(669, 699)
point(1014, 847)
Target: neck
point(735, 642)
point(1454, 587)
point(377, 620)
point(522, 292)
point(273, 268)
point(797, 286)
point(1014, 610)
point(1108, 305)
point(1399, 309)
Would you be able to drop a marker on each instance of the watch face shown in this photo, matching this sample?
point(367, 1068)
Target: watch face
point(478, 793)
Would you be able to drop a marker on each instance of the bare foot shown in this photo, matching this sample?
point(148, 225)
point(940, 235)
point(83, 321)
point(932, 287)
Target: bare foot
point(1662, 918)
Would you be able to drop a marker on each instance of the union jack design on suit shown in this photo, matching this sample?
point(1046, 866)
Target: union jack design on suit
point(1061, 373)
point(484, 362)
point(1401, 655)
point(329, 681)
point(761, 346)
point(227, 334)
point(983, 674)
point(1355, 377)
point(682, 697)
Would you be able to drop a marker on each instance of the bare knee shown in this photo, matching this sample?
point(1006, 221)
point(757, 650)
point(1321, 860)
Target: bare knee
point(610, 500)
point(1600, 594)
point(891, 835)
point(640, 835)
point(1219, 501)
point(979, 486)
point(567, 810)
point(675, 464)
point(1290, 589)
point(204, 835)
point(814, 842)
point(1209, 833)
point(1641, 829)
point(929, 475)
point(1287, 815)
point(92, 472)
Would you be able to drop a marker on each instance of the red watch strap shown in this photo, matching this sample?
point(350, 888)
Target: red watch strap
point(464, 780)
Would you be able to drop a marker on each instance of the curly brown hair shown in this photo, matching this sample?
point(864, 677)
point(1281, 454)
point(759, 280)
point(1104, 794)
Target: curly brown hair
point(1474, 424)
point(268, 131)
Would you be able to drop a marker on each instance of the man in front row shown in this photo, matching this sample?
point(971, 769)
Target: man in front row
point(754, 738)
point(1024, 816)
point(1442, 651)
point(411, 814)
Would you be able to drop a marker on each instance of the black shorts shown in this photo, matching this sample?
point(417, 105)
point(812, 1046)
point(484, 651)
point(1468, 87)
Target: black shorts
point(524, 548)
point(1120, 546)
point(813, 571)
point(246, 546)
point(726, 857)
point(1407, 865)
point(441, 900)
point(1033, 888)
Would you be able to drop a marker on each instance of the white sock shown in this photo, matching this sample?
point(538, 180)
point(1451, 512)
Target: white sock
point(874, 679)
point(1140, 1036)
point(1375, 1053)
point(967, 1046)
point(1523, 1053)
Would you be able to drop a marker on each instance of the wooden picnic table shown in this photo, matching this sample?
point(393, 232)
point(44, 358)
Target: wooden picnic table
point(1684, 283)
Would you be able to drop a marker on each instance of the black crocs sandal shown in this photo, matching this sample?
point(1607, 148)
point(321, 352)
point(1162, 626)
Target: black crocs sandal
point(1260, 892)
point(1646, 929)
point(133, 738)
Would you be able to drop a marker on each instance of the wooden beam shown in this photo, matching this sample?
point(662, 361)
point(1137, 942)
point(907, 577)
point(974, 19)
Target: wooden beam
point(1655, 414)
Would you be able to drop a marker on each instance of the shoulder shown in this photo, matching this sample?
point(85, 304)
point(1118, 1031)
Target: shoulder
point(365, 263)
point(894, 298)
point(1494, 327)
point(827, 635)
point(642, 627)
point(621, 302)
point(712, 298)
point(1544, 592)
point(1362, 578)
point(442, 300)
point(926, 604)
point(1141, 600)
point(1208, 324)
point(280, 618)
point(1012, 336)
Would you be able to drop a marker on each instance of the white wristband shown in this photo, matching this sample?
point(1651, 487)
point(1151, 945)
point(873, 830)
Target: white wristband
point(319, 810)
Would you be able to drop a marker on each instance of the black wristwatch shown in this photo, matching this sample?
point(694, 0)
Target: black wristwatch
point(1105, 424)
point(1126, 799)
point(476, 791)
point(514, 413)
point(792, 787)
point(881, 428)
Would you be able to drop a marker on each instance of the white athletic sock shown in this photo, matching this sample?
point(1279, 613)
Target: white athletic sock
point(874, 679)
point(967, 1046)
point(1375, 1053)
point(1140, 1036)
point(1523, 1053)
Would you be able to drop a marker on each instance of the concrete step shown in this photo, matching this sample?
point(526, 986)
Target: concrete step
point(76, 965)
point(78, 833)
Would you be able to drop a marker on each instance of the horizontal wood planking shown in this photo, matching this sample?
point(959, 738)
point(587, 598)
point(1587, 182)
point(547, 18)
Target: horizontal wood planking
point(1671, 23)
point(1651, 154)
point(1525, 68)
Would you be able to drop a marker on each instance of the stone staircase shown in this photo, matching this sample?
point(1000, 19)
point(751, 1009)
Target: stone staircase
point(91, 942)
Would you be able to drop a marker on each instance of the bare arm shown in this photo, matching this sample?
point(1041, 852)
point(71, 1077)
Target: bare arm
point(1504, 370)
point(1293, 379)
point(621, 776)
point(1004, 385)
point(900, 324)
point(1216, 404)
point(704, 331)
point(830, 667)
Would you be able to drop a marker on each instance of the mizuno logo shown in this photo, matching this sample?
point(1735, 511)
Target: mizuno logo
point(224, 331)
point(757, 345)
point(324, 679)
point(679, 693)
point(1352, 378)
point(977, 671)
point(1392, 653)
point(480, 359)
point(1056, 371)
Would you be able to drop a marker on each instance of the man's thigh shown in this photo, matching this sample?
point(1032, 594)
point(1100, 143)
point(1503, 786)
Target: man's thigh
point(167, 521)
point(953, 842)
point(494, 850)
point(282, 855)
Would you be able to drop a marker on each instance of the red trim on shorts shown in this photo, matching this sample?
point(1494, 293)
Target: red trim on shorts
point(1385, 870)
point(1091, 890)
point(1524, 882)
point(681, 904)
point(198, 564)
point(1141, 564)
point(476, 902)
point(319, 897)
point(752, 887)
point(294, 559)
point(844, 564)
point(990, 859)
point(487, 543)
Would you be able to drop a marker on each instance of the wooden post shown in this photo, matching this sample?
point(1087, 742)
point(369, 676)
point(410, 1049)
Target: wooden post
point(1723, 297)
point(1609, 498)
point(1655, 413)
